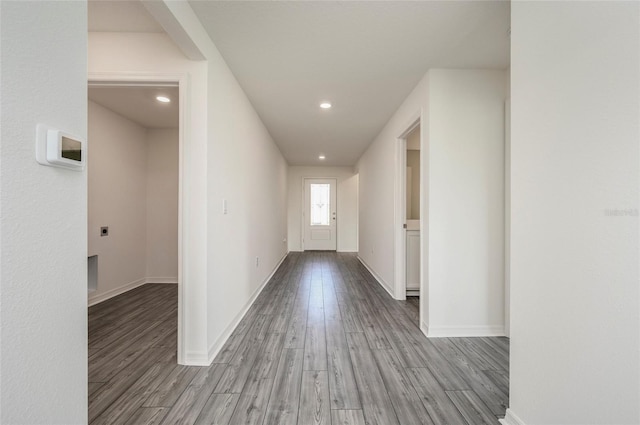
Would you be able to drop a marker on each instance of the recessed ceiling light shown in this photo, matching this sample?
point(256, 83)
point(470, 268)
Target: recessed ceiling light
point(321, 157)
point(325, 105)
point(163, 99)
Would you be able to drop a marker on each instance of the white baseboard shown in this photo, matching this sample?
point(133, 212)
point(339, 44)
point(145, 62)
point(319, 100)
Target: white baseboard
point(347, 251)
point(511, 418)
point(378, 278)
point(196, 358)
point(162, 280)
point(93, 300)
point(215, 348)
point(97, 299)
point(413, 292)
point(424, 327)
point(462, 331)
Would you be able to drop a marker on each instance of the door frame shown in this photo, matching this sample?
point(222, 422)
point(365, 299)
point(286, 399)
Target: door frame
point(119, 79)
point(400, 211)
point(303, 207)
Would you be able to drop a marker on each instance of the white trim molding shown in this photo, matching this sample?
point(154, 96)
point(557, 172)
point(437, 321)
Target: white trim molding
point(93, 300)
point(463, 331)
point(424, 328)
point(162, 280)
point(380, 280)
point(215, 348)
point(511, 418)
point(97, 299)
point(196, 358)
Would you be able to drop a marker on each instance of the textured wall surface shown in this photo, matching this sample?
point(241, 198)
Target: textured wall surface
point(43, 225)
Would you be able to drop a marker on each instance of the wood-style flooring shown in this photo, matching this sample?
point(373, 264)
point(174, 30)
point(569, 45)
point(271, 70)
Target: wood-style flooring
point(322, 344)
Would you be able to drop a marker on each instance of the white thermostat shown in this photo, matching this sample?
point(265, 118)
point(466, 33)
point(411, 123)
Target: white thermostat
point(56, 148)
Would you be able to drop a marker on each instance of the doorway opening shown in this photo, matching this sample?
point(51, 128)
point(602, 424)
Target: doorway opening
point(135, 216)
point(412, 214)
point(408, 234)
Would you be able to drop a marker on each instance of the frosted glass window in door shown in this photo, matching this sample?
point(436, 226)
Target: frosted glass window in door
point(320, 204)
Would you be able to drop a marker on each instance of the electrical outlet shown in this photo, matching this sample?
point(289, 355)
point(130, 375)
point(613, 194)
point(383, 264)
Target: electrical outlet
point(104, 231)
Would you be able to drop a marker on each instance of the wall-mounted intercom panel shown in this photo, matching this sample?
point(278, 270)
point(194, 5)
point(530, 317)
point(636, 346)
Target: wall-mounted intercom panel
point(57, 148)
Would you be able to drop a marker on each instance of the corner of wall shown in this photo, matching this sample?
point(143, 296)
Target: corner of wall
point(378, 279)
point(511, 418)
point(424, 327)
point(104, 296)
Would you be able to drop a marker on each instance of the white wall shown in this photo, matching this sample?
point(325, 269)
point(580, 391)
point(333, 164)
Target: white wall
point(248, 171)
point(117, 191)
point(347, 200)
point(43, 367)
point(575, 165)
point(228, 155)
point(462, 211)
point(377, 176)
point(245, 168)
point(162, 205)
point(507, 206)
point(466, 197)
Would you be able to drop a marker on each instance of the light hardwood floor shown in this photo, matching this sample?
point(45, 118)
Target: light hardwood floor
point(322, 344)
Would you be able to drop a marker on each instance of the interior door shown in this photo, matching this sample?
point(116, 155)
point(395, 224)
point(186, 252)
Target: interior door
point(319, 218)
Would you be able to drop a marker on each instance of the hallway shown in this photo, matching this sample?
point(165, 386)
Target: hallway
point(322, 344)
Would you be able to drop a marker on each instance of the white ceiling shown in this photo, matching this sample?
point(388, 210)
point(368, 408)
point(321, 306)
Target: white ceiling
point(365, 57)
point(139, 104)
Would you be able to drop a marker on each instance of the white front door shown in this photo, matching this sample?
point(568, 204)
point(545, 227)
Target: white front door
point(319, 218)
